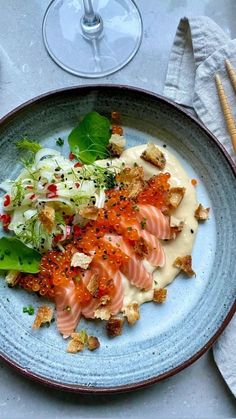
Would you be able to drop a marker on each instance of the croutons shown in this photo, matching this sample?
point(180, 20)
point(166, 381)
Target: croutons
point(129, 175)
point(175, 196)
point(92, 286)
point(185, 264)
point(201, 213)
point(12, 277)
point(93, 343)
point(81, 260)
point(141, 248)
point(80, 341)
point(153, 155)
point(90, 212)
point(131, 312)
point(47, 218)
point(44, 315)
point(159, 295)
point(176, 226)
point(75, 345)
point(132, 179)
point(114, 326)
point(116, 145)
point(102, 313)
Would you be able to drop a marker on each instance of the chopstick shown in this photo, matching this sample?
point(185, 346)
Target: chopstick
point(229, 119)
point(231, 73)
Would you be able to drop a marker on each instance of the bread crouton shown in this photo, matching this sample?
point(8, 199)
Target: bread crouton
point(153, 155)
point(175, 196)
point(132, 179)
point(185, 264)
point(81, 260)
point(132, 313)
point(12, 277)
point(44, 315)
point(159, 295)
point(90, 212)
point(47, 218)
point(201, 213)
point(141, 248)
point(176, 226)
point(114, 326)
point(93, 284)
point(93, 343)
point(116, 145)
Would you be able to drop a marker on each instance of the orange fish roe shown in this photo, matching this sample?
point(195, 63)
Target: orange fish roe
point(117, 129)
point(105, 287)
point(55, 270)
point(83, 295)
point(156, 191)
point(115, 116)
point(194, 182)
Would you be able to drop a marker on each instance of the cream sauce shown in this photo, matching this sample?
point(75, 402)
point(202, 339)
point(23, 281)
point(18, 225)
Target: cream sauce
point(183, 243)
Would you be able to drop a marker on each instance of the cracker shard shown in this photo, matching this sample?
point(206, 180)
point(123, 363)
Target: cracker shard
point(184, 263)
point(201, 213)
point(44, 315)
point(154, 155)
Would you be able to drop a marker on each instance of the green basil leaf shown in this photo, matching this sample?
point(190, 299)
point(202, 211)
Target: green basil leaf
point(89, 140)
point(16, 255)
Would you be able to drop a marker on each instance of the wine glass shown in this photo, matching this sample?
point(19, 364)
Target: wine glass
point(92, 39)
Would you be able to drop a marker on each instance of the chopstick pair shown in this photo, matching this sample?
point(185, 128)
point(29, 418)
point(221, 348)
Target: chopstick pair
point(229, 119)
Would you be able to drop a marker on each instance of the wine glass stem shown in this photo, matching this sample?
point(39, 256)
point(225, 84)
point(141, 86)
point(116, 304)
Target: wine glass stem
point(91, 22)
point(89, 15)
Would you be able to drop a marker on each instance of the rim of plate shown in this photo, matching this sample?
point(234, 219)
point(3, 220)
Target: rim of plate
point(74, 388)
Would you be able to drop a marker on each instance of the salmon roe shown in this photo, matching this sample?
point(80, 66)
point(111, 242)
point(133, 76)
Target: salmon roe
point(117, 129)
point(156, 192)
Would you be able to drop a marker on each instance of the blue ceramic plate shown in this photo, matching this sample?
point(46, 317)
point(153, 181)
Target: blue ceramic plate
point(169, 337)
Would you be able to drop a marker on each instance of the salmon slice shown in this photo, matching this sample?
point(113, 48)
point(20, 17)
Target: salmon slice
point(134, 269)
point(156, 256)
point(68, 308)
point(154, 221)
point(102, 268)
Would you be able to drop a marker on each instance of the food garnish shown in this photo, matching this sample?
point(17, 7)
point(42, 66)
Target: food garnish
point(201, 213)
point(17, 256)
point(44, 316)
point(154, 155)
point(184, 263)
point(89, 140)
point(159, 295)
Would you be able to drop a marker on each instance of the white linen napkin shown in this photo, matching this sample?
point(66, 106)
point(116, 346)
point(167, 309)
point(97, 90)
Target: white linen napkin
point(199, 51)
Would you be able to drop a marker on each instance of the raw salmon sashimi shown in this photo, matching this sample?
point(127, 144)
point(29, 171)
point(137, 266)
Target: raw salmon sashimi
point(134, 269)
point(103, 269)
point(155, 221)
point(156, 256)
point(68, 308)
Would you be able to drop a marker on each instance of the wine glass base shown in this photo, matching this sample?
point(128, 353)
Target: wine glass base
point(112, 50)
